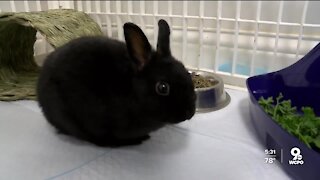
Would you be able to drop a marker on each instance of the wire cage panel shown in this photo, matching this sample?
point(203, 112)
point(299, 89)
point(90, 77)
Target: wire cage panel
point(235, 39)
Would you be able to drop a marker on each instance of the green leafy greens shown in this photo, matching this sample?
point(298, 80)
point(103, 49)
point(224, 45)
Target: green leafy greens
point(305, 125)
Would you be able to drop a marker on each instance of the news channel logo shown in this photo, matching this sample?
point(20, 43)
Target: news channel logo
point(297, 158)
point(273, 155)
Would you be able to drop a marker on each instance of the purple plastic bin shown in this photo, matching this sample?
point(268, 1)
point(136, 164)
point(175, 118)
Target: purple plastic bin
point(299, 82)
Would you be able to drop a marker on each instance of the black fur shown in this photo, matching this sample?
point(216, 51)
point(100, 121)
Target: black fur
point(103, 90)
point(163, 46)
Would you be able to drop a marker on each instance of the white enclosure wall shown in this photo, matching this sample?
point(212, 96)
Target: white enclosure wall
point(235, 39)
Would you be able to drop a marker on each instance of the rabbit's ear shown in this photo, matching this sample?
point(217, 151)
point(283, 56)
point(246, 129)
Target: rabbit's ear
point(163, 46)
point(137, 43)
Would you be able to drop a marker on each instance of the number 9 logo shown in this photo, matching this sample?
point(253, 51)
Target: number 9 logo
point(295, 152)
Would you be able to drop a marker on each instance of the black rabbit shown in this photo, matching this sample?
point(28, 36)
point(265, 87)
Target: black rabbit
point(110, 93)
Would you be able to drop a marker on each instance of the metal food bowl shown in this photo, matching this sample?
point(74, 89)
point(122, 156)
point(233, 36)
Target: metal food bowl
point(211, 98)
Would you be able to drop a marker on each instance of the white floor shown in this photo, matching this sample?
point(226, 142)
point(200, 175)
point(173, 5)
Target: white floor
point(220, 145)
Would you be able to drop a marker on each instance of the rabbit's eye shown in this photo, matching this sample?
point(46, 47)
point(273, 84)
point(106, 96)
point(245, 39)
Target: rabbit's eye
point(162, 88)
